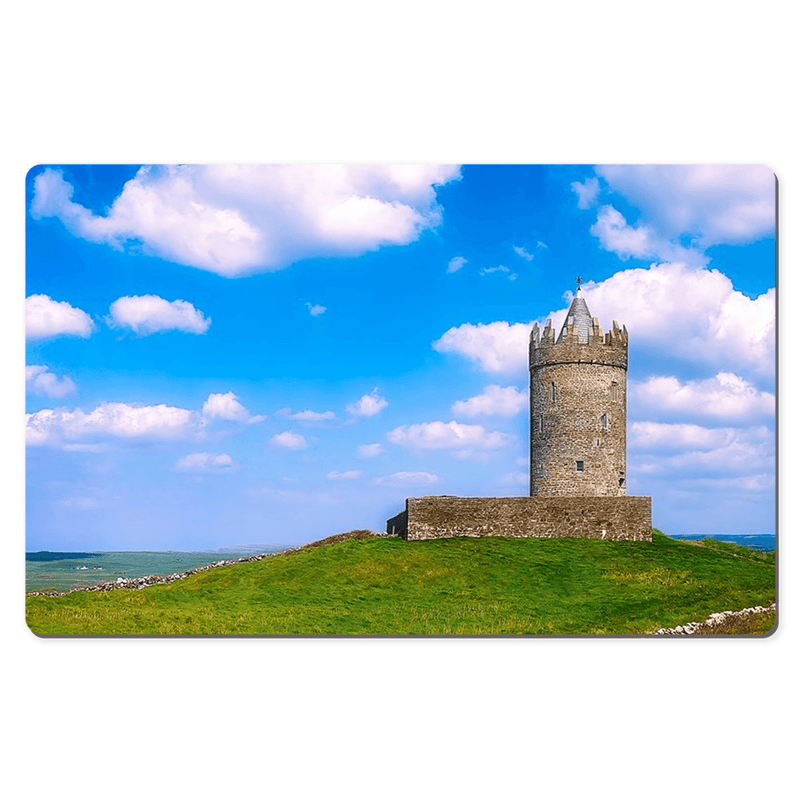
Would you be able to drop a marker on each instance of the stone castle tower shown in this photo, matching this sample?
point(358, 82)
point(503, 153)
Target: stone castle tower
point(578, 461)
point(578, 407)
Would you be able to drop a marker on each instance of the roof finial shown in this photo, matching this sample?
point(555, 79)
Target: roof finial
point(579, 281)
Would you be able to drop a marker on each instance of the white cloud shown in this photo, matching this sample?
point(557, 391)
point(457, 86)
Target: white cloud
point(641, 241)
point(515, 479)
point(408, 479)
point(45, 318)
point(114, 420)
point(205, 463)
point(149, 314)
point(368, 405)
point(86, 431)
point(523, 253)
point(497, 347)
point(80, 503)
point(617, 236)
point(370, 450)
point(676, 436)
point(741, 455)
point(289, 440)
point(715, 203)
point(587, 192)
point(501, 269)
point(725, 397)
point(306, 416)
point(227, 407)
point(40, 381)
point(464, 439)
point(501, 401)
point(699, 452)
point(349, 475)
point(235, 220)
point(315, 310)
point(455, 264)
point(742, 483)
point(695, 314)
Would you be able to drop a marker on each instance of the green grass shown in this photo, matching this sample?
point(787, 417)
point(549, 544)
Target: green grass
point(443, 587)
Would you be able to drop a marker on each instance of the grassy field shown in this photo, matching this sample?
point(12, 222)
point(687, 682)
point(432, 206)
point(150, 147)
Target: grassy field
point(495, 586)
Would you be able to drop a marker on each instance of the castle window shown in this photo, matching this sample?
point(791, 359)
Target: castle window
point(579, 466)
point(614, 391)
point(553, 392)
point(604, 422)
point(540, 423)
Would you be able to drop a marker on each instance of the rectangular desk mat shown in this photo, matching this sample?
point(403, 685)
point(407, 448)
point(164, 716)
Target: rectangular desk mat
point(401, 400)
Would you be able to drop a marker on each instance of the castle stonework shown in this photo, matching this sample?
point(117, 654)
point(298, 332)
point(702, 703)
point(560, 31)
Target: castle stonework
point(442, 517)
point(578, 408)
point(578, 470)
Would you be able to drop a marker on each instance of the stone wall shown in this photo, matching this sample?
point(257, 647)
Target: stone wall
point(398, 525)
point(614, 518)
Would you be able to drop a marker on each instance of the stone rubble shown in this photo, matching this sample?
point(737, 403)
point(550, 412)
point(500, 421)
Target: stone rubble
point(712, 621)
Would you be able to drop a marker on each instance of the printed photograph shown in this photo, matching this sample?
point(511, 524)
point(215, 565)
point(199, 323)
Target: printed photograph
point(401, 400)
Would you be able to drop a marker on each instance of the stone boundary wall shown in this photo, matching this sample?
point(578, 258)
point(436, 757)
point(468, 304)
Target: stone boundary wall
point(438, 517)
point(714, 620)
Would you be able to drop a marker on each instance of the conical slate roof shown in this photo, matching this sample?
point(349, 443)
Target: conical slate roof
point(579, 316)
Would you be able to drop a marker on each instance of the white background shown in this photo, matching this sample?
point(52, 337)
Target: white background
point(90, 82)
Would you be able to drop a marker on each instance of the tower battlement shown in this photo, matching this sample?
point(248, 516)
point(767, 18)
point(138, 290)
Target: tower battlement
point(579, 344)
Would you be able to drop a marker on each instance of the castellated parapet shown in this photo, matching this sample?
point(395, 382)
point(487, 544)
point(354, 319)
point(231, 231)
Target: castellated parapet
point(578, 400)
point(578, 472)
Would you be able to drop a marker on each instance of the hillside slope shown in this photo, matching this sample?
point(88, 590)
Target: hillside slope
point(381, 585)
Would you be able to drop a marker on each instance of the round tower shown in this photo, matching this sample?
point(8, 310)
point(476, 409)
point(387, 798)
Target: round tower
point(578, 407)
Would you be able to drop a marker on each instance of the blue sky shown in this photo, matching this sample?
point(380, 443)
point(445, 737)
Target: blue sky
point(219, 355)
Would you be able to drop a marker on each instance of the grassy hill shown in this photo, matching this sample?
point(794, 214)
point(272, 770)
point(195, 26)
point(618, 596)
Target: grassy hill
point(375, 585)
